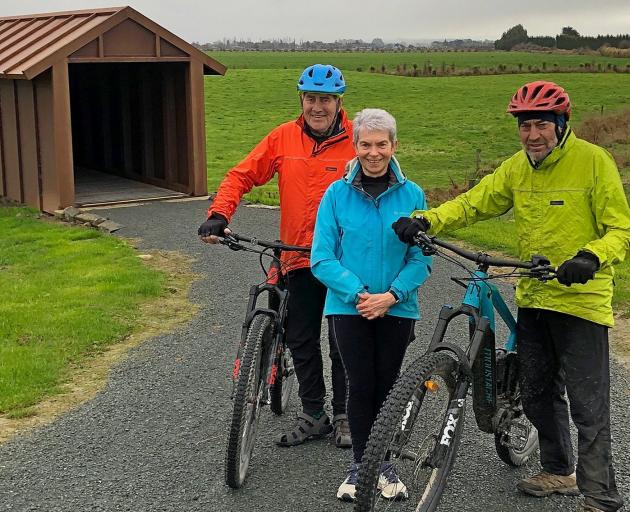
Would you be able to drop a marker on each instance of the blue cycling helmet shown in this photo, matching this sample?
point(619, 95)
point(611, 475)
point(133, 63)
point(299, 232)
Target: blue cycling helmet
point(322, 78)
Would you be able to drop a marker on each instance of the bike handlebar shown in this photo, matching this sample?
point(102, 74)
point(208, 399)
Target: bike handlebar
point(234, 239)
point(538, 263)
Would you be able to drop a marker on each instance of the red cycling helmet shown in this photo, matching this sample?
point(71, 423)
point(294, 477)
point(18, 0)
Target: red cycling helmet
point(540, 96)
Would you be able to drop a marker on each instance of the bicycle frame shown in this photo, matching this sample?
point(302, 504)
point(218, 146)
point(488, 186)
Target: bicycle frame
point(274, 285)
point(479, 363)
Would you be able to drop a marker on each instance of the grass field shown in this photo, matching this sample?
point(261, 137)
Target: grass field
point(442, 121)
point(65, 292)
point(350, 61)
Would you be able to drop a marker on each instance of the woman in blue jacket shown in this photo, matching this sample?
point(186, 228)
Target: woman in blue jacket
point(372, 279)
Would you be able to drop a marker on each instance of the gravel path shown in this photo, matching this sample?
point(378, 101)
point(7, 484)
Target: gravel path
point(154, 438)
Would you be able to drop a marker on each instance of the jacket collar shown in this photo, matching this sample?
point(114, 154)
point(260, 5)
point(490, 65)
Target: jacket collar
point(344, 123)
point(557, 153)
point(353, 174)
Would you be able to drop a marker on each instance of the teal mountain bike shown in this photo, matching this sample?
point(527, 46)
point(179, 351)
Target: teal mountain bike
point(419, 427)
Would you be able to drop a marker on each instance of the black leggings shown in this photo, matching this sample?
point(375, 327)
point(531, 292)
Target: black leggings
point(372, 352)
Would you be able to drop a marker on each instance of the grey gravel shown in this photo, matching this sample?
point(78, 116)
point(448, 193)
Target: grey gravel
point(154, 438)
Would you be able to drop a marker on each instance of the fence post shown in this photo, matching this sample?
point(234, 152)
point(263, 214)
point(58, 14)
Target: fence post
point(475, 179)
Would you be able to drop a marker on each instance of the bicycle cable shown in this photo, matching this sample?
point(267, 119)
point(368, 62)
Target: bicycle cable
point(235, 245)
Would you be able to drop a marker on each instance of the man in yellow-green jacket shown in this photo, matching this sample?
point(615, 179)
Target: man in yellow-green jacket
point(568, 204)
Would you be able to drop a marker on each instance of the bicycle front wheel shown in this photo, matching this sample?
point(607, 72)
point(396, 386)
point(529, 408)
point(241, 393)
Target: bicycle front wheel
point(280, 391)
point(247, 400)
point(416, 434)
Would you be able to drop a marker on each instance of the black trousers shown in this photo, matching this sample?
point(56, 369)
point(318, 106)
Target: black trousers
point(372, 353)
point(558, 353)
point(304, 325)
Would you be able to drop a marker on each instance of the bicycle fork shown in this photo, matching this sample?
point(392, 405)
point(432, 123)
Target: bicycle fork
point(449, 425)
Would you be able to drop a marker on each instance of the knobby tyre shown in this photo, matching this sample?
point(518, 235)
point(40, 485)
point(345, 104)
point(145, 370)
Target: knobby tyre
point(407, 432)
point(280, 391)
point(247, 400)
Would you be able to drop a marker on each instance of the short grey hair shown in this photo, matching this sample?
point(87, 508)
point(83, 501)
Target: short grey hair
point(373, 119)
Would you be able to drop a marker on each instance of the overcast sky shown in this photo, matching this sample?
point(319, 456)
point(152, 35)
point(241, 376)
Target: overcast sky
point(327, 20)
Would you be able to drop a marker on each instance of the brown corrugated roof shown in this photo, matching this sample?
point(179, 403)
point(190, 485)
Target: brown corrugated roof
point(30, 44)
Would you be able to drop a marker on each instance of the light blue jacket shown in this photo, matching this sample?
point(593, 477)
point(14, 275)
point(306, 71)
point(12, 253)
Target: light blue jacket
point(355, 249)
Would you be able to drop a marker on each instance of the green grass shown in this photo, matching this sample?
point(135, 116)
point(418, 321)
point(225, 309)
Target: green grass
point(350, 61)
point(441, 121)
point(65, 292)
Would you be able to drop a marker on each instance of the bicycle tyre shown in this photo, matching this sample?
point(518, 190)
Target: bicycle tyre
point(516, 453)
point(280, 391)
point(415, 412)
point(247, 401)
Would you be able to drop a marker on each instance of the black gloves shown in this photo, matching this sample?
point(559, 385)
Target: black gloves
point(215, 225)
point(406, 228)
point(579, 269)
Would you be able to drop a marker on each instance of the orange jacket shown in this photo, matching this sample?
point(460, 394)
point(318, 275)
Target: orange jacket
point(305, 169)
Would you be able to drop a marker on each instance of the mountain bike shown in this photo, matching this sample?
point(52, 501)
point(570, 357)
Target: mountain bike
point(263, 372)
point(419, 427)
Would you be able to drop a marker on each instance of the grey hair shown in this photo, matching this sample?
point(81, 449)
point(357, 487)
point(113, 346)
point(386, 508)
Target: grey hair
point(373, 119)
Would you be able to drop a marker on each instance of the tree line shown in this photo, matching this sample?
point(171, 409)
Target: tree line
point(568, 39)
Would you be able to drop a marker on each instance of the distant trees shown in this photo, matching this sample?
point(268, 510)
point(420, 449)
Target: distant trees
point(515, 35)
point(568, 39)
point(570, 31)
point(378, 43)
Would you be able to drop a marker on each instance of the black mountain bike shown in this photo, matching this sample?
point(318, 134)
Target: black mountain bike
point(263, 372)
point(419, 427)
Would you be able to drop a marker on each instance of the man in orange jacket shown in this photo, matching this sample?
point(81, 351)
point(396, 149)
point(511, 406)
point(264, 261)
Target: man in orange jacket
point(308, 154)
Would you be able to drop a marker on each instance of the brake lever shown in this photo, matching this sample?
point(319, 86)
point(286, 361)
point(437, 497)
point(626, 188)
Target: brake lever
point(542, 272)
point(423, 241)
point(231, 242)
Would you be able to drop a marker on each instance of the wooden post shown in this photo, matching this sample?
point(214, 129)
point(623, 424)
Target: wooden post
point(197, 171)
point(62, 134)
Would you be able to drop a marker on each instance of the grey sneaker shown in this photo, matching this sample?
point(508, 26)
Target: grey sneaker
point(389, 484)
point(348, 489)
point(546, 484)
point(341, 429)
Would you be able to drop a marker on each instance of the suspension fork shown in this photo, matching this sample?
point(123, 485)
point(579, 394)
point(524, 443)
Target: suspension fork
point(449, 424)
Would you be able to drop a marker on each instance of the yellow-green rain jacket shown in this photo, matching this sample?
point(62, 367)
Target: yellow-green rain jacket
point(573, 201)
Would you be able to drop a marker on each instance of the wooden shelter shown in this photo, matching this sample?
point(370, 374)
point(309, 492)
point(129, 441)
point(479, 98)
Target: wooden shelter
point(94, 97)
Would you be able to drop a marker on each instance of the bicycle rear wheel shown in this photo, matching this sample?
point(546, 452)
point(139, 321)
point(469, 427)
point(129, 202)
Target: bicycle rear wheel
point(516, 439)
point(247, 400)
point(410, 433)
point(280, 391)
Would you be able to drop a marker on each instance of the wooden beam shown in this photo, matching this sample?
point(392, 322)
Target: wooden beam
point(198, 173)
point(148, 150)
point(25, 102)
point(62, 134)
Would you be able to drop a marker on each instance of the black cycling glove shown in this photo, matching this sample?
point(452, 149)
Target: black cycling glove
point(407, 228)
point(215, 225)
point(579, 269)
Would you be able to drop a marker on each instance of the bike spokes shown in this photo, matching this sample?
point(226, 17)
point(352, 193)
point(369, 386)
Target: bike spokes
point(413, 447)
